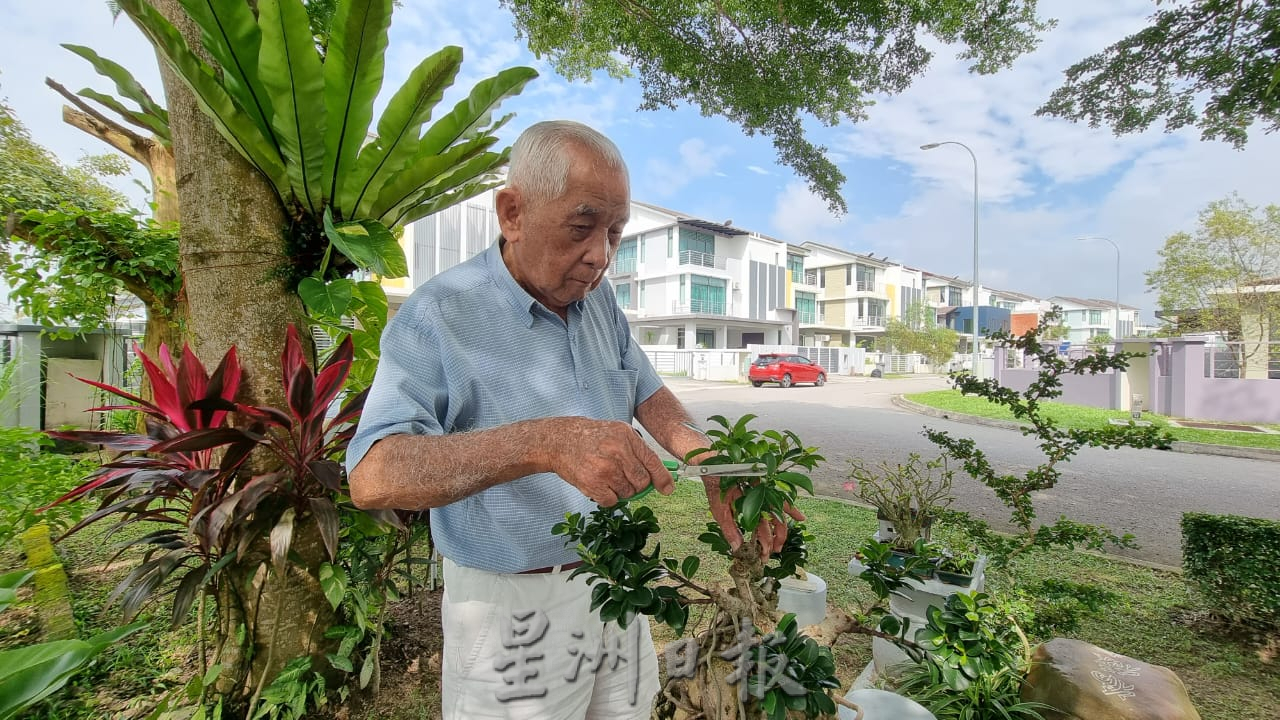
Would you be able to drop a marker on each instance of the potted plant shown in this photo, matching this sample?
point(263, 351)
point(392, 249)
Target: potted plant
point(956, 568)
point(907, 497)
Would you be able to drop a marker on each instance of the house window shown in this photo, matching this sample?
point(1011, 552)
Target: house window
point(623, 292)
point(795, 264)
point(1095, 317)
point(683, 295)
point(822, 277)
point(694, 241)
point(866, 277)
point(706, 338)
point(806, 307)
point(670, 241)
point(953, 297)
point(641, 243)
point(848, 274)
point(625, 260)
point(641, 293)
point(706, 295)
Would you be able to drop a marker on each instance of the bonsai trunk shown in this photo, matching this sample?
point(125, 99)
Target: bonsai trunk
point(709, 694)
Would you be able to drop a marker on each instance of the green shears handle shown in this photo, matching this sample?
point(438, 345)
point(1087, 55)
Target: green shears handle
point(671, 465)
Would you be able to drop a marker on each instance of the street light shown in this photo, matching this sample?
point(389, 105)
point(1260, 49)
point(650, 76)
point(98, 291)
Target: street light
point(1116, 333)
point(977, 373)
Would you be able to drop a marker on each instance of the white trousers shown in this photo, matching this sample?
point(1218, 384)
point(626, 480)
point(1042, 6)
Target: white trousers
point(528, 647)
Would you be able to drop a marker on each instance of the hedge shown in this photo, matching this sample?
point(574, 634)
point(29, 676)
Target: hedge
point(1236, 561)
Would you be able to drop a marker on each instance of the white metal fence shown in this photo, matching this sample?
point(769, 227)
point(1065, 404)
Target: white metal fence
point(1236, 360)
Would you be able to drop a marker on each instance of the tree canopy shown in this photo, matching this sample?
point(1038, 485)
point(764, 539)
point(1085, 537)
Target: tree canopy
point(919, 332)
point(1211, 63)
point(71, 245)
point(1206, 278)
point(770, 66)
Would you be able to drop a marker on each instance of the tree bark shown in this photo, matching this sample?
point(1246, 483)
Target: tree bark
point(232, 239)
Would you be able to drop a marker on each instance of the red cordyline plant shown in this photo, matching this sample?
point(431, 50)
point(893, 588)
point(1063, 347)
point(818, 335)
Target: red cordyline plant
point(188, 471)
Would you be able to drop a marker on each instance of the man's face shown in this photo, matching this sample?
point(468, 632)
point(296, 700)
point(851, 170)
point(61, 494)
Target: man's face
point(559, 250)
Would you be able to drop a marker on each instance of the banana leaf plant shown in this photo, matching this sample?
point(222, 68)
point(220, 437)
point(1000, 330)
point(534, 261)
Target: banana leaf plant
point(189, 474)
point(302, 117)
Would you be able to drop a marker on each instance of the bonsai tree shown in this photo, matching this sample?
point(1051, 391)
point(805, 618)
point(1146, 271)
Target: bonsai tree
point(907, 496)
point(1058, 444)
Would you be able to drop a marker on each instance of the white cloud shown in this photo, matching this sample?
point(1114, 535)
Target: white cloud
point(758, 170)
point(695, 159)
point(800, 216)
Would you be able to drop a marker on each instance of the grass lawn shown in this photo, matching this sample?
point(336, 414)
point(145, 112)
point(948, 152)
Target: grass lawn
point(1080, 416)
point(1148, 614)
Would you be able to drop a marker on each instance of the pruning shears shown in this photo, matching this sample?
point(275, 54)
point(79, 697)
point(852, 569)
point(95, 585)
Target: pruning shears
point(708, 468)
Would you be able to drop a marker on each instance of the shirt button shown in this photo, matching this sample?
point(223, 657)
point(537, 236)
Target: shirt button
point(584, 386)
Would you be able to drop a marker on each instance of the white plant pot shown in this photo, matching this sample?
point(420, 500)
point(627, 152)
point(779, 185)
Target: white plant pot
point(912, 604)
point(806, 598)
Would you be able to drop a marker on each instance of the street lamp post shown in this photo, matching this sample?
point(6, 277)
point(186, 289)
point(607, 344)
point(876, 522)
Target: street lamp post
point(977, 373)
point(1115, 335)
point(1116, 332)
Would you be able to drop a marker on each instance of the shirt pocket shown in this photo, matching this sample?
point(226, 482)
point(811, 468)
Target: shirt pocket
point(620, 394)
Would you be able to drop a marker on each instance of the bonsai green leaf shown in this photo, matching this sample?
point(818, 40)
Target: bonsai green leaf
point(353, 71)
point(231, 122)
point(399, 127)
point(368, 244)
point(229, 31)
point(690, 566)
point(291, 71)
point(328, 300)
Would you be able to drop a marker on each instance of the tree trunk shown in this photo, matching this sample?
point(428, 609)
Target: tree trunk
point(231, 243)
point(232, 239)
point(280, 617)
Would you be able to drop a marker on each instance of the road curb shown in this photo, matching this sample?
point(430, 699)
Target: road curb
point(1178, 445)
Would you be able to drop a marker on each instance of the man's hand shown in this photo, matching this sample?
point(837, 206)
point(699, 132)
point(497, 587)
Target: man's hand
point(771, 533)
point(606, 460)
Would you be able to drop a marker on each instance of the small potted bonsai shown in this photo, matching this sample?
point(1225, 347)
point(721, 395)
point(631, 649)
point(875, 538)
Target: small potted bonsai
point(956, 568)
point(907, 497)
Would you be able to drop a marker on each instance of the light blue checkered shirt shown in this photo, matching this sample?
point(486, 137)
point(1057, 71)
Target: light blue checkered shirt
point(469, 350)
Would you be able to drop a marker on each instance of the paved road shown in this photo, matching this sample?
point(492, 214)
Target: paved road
point(1139, 491)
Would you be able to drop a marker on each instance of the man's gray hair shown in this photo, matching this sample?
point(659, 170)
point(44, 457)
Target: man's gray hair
point(540, 158)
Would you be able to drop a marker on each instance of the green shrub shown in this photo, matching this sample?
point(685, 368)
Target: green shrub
point(31, 476)
point(1236, 561)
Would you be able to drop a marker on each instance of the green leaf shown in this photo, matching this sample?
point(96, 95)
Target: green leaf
point(399, 127)
point(326, 300)
point(341, 662)
point(751, 504)
point(353, 70)
point(229, 31)
point(333, 583)
point(231, 122)
point(426, 170)
point(31, 673)
point(368, 244)
point(468, 117)
point(9, 584)
point(281, 539)
point(366, 668)
point(152, 116)
point(291, 71)
point(690, 566)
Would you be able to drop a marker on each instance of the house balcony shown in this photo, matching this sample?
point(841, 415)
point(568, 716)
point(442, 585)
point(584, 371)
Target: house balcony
point(807, 277)
point(701, 259)
point(622, 266)
point(700, 307)
point(868, 322)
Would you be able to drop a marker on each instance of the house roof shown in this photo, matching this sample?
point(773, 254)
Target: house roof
point(698, 223)
point(881, 262)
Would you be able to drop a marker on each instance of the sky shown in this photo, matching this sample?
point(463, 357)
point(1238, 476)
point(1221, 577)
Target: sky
point(1043, 183)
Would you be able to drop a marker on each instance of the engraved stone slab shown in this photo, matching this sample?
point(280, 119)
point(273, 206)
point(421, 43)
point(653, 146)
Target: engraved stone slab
point(1085, 682)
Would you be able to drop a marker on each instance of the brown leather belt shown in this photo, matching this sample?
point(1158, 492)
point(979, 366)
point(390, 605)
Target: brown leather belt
point(553, 569)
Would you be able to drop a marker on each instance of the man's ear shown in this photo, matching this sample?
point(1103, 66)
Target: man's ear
point(509, 205)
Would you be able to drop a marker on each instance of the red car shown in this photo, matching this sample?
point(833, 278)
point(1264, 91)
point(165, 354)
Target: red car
point(786, 370)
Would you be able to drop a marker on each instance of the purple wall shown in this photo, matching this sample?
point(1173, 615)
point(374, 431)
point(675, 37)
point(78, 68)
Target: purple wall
point(1092, 390)
point(1177, 386)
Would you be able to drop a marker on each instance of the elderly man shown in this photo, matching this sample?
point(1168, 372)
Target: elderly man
point(504, 399)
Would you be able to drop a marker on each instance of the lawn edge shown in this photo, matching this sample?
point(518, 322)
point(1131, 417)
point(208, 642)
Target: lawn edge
point(1181, 446)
